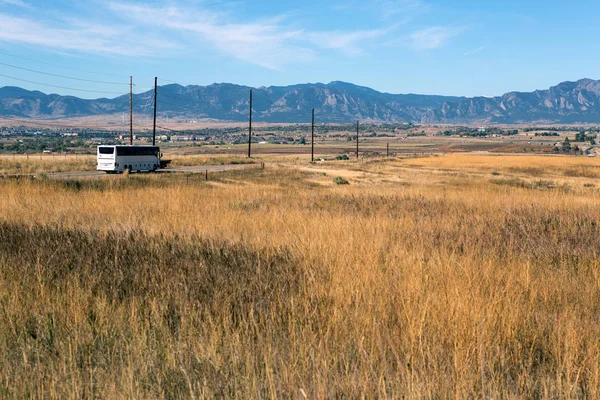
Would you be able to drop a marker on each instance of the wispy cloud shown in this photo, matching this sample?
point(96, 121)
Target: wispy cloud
point(346, 42)
point(153, 29)
point(85, 38)
point(18, 3)
point(385, 10)
point(263, 43)
point(433, 37)
point(477, 50)
point(269, 42)
point(400, 8)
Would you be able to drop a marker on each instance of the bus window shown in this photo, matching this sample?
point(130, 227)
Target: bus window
point(137, 151)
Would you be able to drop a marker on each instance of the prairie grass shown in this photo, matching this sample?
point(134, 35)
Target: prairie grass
point(47, 163)
point(44, 163)
point(277, 282)
point(195, 160)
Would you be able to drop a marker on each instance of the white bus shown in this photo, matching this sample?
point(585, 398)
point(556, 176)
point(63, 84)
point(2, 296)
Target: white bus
point(117, 159)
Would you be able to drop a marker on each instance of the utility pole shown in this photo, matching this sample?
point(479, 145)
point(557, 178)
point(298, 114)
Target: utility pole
point(154, 126)
point(131, 110)
point(357, 140)
point(312, 149)
point(250, 127)
point(387, 151)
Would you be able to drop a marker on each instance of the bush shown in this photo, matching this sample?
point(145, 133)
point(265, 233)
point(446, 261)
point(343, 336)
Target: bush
point(342, 157)
point(338, 180)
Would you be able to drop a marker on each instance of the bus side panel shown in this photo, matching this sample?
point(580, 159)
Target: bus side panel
point(138, 163)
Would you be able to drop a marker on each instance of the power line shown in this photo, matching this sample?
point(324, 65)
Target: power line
point(59, 87)
point(45, 125)
point(59, 66)
point(170, 81)
point(170, 130)
point(167, 80)
point(61, 76)
point(143, 91)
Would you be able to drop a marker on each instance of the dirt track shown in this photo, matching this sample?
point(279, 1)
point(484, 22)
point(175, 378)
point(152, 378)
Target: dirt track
point(189, 170)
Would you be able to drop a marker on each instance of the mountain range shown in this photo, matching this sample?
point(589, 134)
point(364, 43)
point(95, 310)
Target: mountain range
point(565, 103)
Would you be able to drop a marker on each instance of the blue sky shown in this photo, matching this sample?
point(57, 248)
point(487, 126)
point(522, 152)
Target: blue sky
point(465, 48)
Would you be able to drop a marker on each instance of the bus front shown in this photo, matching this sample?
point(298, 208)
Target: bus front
point(107, 159)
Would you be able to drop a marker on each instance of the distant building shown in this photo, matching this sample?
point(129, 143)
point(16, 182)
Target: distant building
point(182, 138)
point(126, 137)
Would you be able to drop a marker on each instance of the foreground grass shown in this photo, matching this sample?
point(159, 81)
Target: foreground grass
point(410, 281)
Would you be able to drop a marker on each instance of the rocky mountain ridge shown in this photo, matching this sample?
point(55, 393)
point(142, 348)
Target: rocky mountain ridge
point(567, 102)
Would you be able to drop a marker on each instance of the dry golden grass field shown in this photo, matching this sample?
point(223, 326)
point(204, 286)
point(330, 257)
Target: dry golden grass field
point(463, 276)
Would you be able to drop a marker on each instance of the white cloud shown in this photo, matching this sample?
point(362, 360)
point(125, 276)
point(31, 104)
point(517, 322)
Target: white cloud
point(384, 9)
point(268, 43)
point(89, 39)
point(263, 43)
point(346, 42)
point(394, 8)
point(18, 3)
point(432, 37)
point(154, 30)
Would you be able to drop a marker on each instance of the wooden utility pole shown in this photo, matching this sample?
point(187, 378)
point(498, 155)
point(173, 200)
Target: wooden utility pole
point(131, 110)
point(312, 144)
point(387, 151)
point(250, 127)
point(356, 139)
point(154, 126)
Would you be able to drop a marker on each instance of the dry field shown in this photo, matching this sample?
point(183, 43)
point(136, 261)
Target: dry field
point(454, 276)
point(14, 164)
point(19, 164)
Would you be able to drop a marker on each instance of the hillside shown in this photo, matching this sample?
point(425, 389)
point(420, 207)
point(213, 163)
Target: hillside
point(567, 102)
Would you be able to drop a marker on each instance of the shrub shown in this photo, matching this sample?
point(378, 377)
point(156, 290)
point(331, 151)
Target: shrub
point(342, 157)
point(338, 180)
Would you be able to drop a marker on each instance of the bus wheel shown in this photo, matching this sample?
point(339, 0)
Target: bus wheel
point(129, 169)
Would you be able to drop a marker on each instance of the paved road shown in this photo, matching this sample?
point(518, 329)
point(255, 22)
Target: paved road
point(201, 169)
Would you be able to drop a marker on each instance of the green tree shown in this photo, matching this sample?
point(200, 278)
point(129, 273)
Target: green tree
point(566, 145)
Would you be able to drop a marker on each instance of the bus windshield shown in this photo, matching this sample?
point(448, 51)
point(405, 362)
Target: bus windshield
point(106, 150)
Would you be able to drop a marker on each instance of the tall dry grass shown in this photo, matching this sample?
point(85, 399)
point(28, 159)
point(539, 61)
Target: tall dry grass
point(412, 281)
point(44, 163)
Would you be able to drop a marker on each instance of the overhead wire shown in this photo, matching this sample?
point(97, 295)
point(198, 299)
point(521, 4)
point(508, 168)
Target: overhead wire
point(170, 81)
point(170, 130)
point(59, 66)
point(62, 76)
point(59, 87)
